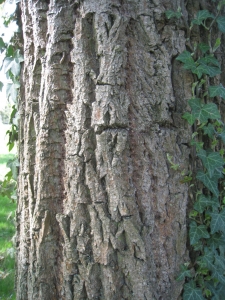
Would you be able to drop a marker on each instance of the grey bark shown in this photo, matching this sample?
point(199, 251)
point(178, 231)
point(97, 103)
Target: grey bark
point(101, 215)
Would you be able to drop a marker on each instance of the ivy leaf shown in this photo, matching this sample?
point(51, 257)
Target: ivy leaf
point(218, 173)
point(215, 241)
point(208, 259)
point(189, 117)
point(206, 69)
point(198, 72)
point(196, 106)
point(203, 112)
point(203, 47)
point(186, 58)
point(184, 272)
point(204, 202)
point(1, 86)
point(197, 232)
point(11, 64)
point(191, 292)
point(18, 56)
point(173, 14)
point(217, 290)
point(209, 130)
point(211, 161)
point(210, 183)
point(221, 23)
point(217, 90)
point(202, 15)
point(209, 111)
point(207, 65)
point(220, 291)
point(218, 221)
point(220, 260)
point(202, 154)
point(209, 59)
point(218, 274)
point(11, 91)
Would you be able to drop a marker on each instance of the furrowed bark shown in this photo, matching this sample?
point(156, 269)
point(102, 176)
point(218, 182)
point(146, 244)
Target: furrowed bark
point(101, 215)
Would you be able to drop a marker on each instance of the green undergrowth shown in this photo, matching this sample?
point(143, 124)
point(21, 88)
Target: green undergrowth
point(7, 261)
point(7, 231)
point(4, 158)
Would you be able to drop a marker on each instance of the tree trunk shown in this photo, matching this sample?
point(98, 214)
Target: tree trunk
point(101, 215)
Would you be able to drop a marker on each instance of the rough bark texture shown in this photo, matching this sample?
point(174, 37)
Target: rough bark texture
point(101, 215)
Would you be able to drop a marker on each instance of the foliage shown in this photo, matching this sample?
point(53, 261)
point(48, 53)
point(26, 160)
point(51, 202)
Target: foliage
point(11, 59)
point(8, 185)
point(205, 274)
point(7, 260)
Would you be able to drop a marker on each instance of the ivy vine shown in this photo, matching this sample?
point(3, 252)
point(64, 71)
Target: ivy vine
point(204, 275)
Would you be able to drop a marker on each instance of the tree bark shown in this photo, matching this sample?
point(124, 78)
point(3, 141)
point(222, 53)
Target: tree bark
point(101, 215)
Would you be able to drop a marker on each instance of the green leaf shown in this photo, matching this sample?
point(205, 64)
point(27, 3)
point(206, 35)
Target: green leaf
point(9, 51)
point(209, 59)
point(217, 44)
point(12, 115)
point(203, 47)
point(11, 91)
point(209, 130)
point(2, 44)
point(184, 272)
point(11, 64)
point(196, 106)
point(202, 15)
point(221, 23)
point(189, 117)
point(173, 14)
point(216, 240)
point(219, 260)
point(197, 232)
point(218, 290)
point(186, 58)
point(1, 86)
point(198, 72)
point(217, 221)
point(207, 65)
point(11, 146)
point(206, 69)
point(209, 111)
point(217, 90)
point(208, 259)
point(218, 274)
point(203, 202)
point(203, 112)
point(210, 183)
point(218, 173)
point(211, 161)
point(191, 292)
point(18, 56)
